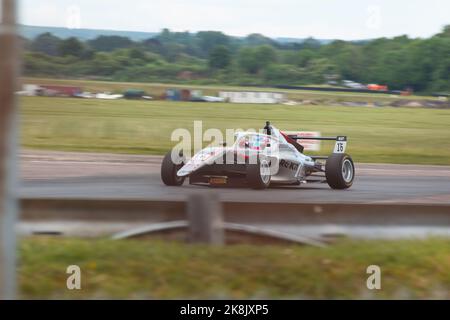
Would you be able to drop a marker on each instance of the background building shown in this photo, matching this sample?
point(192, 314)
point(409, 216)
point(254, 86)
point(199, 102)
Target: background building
point(252, 96)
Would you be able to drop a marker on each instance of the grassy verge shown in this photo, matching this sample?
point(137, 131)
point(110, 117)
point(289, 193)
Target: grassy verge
point(393, 135)
point(141, 269)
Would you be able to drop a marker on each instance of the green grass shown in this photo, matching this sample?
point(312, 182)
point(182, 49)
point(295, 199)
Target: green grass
point(153, 269)
point(404, 135)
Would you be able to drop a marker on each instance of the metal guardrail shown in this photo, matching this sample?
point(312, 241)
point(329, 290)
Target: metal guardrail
point(150, 211)
point(233, 227)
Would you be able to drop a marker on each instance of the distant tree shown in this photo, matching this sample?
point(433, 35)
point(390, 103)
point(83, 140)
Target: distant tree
point(266, 55)
point(248, 61)
point(104, 64)
point(310, 43)
point(165, 35)
point(153, 45)
point(288, 57)
point(318, 68)
point(220, 57)
point(88, 54)
point(173, 51)
point(136, 53)
point(71, 47)
point(110, 43)
point(46, 43)
point(283, 73)
point(254, 59)
point(207, 40)
point(256, 39)
point(445, 32)
point(304, 57)
point(185, 42)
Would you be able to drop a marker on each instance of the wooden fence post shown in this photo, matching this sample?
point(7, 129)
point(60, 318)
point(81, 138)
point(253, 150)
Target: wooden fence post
point(9, 66)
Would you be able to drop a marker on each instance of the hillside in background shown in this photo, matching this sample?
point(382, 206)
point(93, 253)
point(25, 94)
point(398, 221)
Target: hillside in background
point(31, 32)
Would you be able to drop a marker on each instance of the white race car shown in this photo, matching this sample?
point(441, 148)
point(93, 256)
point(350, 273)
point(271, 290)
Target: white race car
point(259, 160)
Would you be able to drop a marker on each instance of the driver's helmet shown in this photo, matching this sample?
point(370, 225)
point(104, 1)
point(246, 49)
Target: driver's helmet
point(254, 142)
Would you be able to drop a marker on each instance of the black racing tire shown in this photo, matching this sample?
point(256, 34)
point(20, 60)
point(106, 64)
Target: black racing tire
point(169, 171)
point(255, 178)
point(340, 171)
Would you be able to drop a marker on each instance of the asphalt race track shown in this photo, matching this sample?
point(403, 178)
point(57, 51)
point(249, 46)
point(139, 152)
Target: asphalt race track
point(48, 174)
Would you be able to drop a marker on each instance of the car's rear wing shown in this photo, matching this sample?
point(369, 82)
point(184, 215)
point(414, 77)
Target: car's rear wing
point(339, 146)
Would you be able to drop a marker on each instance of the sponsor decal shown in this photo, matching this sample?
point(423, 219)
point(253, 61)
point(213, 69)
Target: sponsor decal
point(288, 165)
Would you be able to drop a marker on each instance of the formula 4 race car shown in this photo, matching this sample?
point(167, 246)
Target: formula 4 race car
point(258, 160)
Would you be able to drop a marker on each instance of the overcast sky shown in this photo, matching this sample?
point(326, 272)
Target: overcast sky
point(326, 19)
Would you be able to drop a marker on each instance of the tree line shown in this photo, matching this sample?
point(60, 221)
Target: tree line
point(211, 57)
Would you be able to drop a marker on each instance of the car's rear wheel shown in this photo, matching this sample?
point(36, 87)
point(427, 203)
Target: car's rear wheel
point(340, 171)
point(169, 171)
point(258, 175)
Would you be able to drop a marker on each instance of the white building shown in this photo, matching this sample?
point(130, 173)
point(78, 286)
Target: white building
point(252, 96)
point(29, 90)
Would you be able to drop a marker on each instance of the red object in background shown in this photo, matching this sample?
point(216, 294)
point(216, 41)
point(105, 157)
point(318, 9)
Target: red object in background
point(185, 95)
point(377, 87)
point(68, 91)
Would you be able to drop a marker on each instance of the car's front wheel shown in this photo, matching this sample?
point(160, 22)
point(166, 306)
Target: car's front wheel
point(169, 171)
point(258, 175)
point(340, 171)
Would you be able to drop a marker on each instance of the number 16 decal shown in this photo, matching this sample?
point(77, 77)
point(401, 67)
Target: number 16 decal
point(341, 144)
